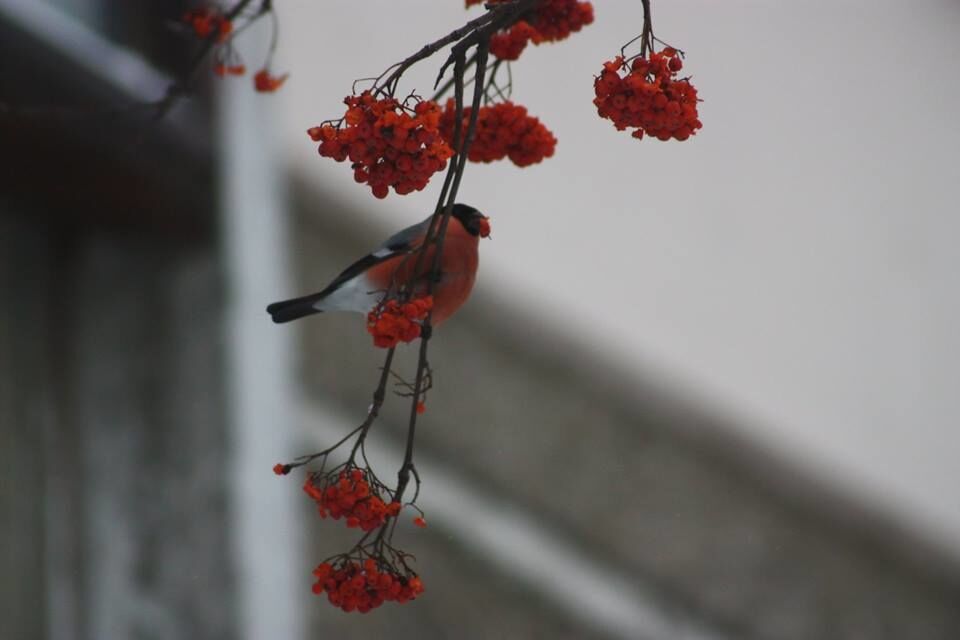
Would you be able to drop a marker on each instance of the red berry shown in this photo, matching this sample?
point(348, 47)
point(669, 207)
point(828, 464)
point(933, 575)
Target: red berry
point(264, 82)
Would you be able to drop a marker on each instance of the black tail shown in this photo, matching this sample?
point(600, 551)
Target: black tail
point(287, 310)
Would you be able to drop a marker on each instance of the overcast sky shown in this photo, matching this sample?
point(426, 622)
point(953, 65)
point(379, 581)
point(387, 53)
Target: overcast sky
point(795, 262)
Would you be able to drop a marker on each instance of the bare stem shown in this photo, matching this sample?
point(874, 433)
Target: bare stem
point(646, 38)
point(442, 91)
point(379, 394)
point(403, 476)
point(471, 34)
point(429, 49)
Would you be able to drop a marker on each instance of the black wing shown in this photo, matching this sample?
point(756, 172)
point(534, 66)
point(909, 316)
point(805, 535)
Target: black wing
point(398, 243)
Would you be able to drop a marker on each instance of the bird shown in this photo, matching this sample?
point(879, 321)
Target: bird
point(363, 285)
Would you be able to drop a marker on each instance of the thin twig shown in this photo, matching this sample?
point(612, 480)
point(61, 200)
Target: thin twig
point(429, 49)
point(439, 93)
point(646, 37)
point(379, 395)
point(182, 86)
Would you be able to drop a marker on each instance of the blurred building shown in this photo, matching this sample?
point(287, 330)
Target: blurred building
point(144, 396)
point(114, 504)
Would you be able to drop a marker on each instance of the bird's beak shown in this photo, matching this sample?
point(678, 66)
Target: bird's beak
point(485, 227)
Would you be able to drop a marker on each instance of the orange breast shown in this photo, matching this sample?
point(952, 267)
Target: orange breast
point(458, 270)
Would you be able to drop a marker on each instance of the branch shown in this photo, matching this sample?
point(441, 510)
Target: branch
point(182, 86)
point(471, 34)
point(403, 477)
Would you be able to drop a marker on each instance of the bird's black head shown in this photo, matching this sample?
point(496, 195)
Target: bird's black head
point(472, 220)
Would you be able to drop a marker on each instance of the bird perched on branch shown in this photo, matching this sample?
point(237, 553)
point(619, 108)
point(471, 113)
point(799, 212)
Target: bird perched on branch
point(363, 285)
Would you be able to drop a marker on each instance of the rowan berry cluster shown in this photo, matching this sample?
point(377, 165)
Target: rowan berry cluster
point(504, 130)
point(391, 322)
point(509, 44)
point(264, 82)
point(557, 19)
point(552, 20)
point(207, 21)
point(648, 96)
point(388, 144)
point(358, 586)
point(352, 494)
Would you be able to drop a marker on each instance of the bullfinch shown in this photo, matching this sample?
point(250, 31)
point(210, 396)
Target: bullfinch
point(364, 283)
